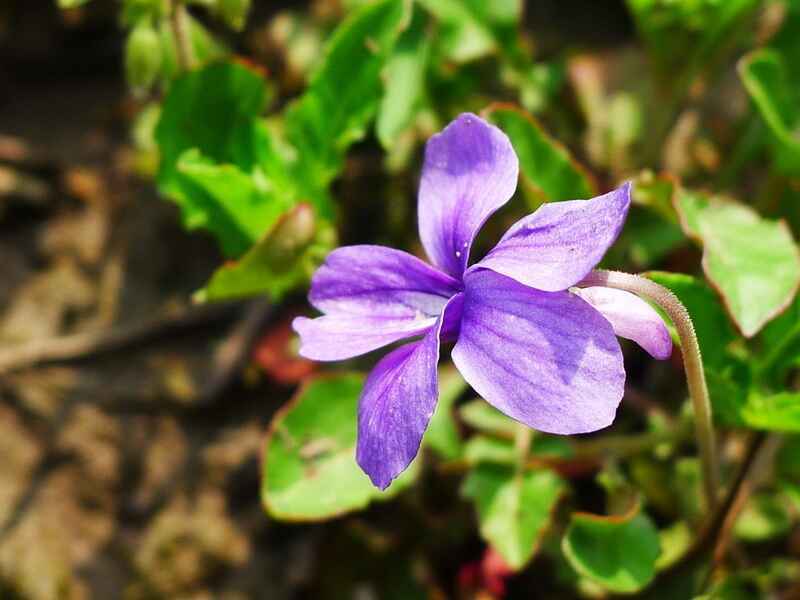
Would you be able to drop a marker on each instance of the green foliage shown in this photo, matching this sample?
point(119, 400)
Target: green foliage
point(651, 232)
point(765, 516)
point(472, 29)
point(405, 82)
point(678, 32)
point(766, 77)
point(712, 326)
point(619, 552)
point(309, 468)
point(548, 170)
point(280, 261)
point(737, 244)
point(484, 417)
point(442, 435)
point(233, 12)
point(780, 340)
point(514, 508)
point(490, 450)
point(773, 412)
point(345, 90)
point(264, 161)
point(210, 135)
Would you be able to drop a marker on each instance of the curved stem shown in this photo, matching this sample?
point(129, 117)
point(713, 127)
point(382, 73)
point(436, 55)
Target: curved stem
point(183, 45)
point(692, 361)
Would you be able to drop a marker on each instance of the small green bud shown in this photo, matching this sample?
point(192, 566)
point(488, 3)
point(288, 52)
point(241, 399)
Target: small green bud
point(67, 4)
point(143, 56)
point(290, 237)
point(135, 11)
point(234, 12)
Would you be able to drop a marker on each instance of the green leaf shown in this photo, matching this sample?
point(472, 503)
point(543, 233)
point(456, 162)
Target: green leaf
point(405, 79)
point(619, 552)
point(65, 4)
point(674, 542)
point(683, 34)
point(765, 516)
point(205, 48)
point(729, 388)
point(787, 461)
point(776, 412)
point(514, 509)
point(344, 91)
point(780, 341)
point(651, 231)
point(442, 435)
point(766, 78)
point(711, 324)
point(647, 239)
point(309, 468)
point(737, 244)
point(548, 171)
point(736, 586)
point(214, 111)
point(233, 12)
point(463, 36)
point(484, 417)
point(471, 29)
point(728, 377)
point(656, 193)
point(280, 262)
point(485, 449)
point(236, 198)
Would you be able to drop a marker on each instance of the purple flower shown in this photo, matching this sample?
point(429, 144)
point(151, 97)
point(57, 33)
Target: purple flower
point(542, 353)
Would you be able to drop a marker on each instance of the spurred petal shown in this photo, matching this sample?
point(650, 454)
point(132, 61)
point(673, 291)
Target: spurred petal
point(547, 359)
point(470, 171)
point(376, 281)
point(341, 336)
point(557, 246)
point(398, 400)
point(632, 318)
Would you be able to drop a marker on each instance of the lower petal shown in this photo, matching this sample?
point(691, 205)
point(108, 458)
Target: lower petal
point(396, 404)
point(338, 337)
point(546, 359)
point(632, 318)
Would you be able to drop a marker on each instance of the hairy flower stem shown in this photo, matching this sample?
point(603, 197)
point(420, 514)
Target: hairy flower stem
point(692, 361)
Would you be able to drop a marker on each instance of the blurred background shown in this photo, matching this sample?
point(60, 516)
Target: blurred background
point(132, 418)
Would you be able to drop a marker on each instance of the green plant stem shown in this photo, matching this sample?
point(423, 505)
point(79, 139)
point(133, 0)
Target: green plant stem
point(183, 45)
point(522, 445)
point(693, 364)
point(629, 444)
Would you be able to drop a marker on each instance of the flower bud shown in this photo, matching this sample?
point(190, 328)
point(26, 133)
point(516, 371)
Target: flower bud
point(234, 12)
point(143, 57)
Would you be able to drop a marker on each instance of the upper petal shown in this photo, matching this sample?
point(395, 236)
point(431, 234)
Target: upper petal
point(547, 359)
point(556, 246)
point(396, 404)
point(632, 318)
point(470, 171)
point(376, 281)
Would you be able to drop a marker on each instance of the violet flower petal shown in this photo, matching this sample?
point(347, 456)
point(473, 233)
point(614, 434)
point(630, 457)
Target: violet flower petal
point(632, 318)
point(376, 281)
point(470, 171)
point(547, 359)
point(341, 336)
point(396, 404)
point(560, 243)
